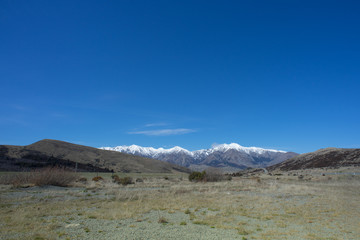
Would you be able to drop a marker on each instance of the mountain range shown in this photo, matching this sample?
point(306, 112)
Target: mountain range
point(49, 152)
point(229, 157)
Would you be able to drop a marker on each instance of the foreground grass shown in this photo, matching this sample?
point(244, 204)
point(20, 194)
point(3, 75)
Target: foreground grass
point(256, 208)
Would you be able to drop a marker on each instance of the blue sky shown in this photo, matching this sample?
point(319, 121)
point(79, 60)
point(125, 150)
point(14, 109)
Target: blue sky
point(272, 74)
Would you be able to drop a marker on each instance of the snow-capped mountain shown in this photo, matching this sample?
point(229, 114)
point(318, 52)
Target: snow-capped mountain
point(224, 155)
point(147, 151)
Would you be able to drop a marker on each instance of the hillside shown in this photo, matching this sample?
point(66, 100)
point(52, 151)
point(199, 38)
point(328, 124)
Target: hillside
point(328, 157)
point(52, 152)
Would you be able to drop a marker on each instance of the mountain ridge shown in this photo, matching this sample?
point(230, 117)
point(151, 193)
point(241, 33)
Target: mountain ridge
point(221, 147)
point(50, 152)
point(225, 156)
point(325, 157)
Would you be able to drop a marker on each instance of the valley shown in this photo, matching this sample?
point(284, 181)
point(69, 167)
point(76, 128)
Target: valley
point(168, 206)
point(89, 193)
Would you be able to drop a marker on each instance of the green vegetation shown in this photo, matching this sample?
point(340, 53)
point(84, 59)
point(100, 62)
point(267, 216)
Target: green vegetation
point(210, 175)
point(197, 176)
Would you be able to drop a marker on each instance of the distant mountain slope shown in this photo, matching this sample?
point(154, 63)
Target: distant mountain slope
point(50, 152)
point(328, 157)
point(228, 156)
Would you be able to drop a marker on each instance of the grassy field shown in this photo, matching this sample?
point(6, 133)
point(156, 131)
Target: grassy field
point(170, 207)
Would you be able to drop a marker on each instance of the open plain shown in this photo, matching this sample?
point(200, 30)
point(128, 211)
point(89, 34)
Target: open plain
point(317, 205)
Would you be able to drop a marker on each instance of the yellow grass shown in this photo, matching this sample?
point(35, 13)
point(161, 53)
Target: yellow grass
point(258, 209)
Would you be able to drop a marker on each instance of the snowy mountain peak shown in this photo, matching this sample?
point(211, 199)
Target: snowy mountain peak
point(150, 151)
point(235, 146)
point(178, 149)
point(225, 147)
point(230, 155)
point(146, 151)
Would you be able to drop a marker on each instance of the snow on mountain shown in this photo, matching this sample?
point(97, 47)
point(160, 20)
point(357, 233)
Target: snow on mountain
point(150, 151)
point(224, 155)
point(235, 146)
point(146, 151)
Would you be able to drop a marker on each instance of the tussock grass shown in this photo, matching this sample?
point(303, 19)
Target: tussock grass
point(54, 176)
point(271, 208)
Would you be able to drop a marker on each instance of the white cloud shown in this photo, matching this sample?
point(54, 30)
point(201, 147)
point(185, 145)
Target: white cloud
point(164, 132)
point(156, 124)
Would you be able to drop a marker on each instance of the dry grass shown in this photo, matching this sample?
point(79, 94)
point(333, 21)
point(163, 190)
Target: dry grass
point(46, 176)
point(258, 209)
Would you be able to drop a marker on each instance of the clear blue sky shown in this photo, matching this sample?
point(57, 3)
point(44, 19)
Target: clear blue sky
point(273, 74)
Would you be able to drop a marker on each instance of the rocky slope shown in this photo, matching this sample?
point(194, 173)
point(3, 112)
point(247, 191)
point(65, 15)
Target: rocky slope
point(327, 157)
point(52, 152)
point(228, 156)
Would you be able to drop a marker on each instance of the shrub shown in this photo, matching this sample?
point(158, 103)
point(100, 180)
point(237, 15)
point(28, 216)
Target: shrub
point(197, 176)
point(115, 178)
point(17, 179)
point(228, 177)
point(45, 176)
point(210, 175)
point(53, 176)
point(82, 179)
point(139, 180)
point(214, 175)
point(97, 178)
point(162, 220)
point(124, 180)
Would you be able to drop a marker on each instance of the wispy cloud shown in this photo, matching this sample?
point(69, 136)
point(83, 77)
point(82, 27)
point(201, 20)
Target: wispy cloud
point(156, 124)
point(164, 132)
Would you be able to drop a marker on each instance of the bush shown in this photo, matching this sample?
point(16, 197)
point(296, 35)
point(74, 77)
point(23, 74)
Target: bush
point(82, 179)
point(17, 179)
point(197, 176)
point(54, 176)
point(139, 180)
point(115, 178)
point(210, 175)
point(228, 177)
point(162, 220)
point(214, 175)
point(124, 180)
point(97, 178)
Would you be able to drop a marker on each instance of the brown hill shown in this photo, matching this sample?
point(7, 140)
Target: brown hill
point(52, 152)
point(327, 157)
